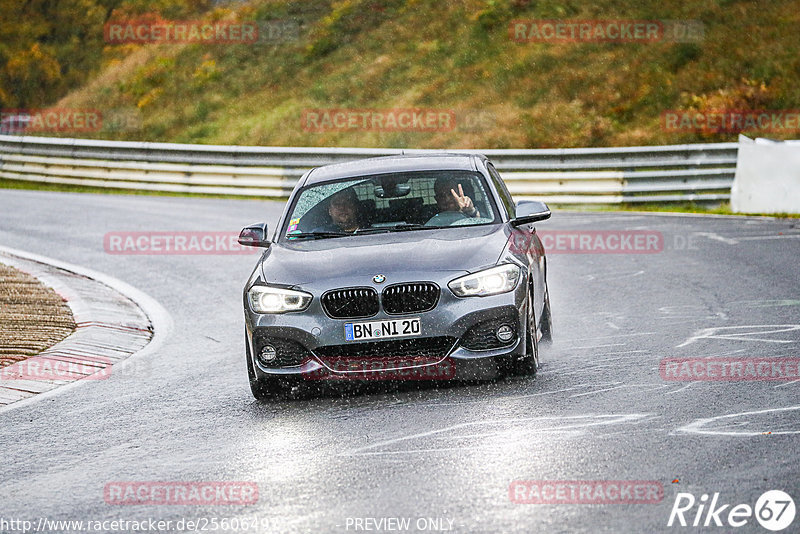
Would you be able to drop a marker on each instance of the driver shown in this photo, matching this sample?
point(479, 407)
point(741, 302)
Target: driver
point(343, 209)
point(448, 200)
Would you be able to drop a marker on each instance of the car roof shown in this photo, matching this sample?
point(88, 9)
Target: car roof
point(393, 164)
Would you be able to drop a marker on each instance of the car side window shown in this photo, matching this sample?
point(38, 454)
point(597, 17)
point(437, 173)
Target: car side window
point(505, 196)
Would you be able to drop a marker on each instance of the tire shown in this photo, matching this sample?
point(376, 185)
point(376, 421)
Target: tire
point(262, 388)
point(546, 324)
point(529, 364)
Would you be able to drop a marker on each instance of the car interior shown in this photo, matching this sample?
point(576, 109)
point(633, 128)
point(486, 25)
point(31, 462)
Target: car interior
point(378, 205)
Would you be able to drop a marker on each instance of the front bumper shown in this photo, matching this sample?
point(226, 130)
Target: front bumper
point(457, 342)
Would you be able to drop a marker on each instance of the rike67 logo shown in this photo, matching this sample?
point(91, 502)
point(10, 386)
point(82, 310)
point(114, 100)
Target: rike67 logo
point(774, 510)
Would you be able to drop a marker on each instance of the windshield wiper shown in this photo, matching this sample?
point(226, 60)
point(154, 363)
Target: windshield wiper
point(395, 228)
point(316, 235)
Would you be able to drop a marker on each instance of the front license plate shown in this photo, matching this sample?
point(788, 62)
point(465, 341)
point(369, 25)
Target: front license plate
point(369, 330)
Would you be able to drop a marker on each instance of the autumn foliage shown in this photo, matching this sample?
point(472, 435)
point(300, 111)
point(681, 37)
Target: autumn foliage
point(48, 47)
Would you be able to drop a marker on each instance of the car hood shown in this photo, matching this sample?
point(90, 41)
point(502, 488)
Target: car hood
point(353, 260)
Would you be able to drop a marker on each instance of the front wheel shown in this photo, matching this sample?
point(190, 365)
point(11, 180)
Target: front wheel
point(529, 364)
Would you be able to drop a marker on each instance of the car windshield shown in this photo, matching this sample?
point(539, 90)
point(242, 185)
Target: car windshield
point(412, 201)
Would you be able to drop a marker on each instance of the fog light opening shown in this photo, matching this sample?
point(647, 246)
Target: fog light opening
point(267, 354)
point(505, 333)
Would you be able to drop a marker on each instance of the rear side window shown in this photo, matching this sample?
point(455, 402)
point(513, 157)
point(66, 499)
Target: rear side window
point(505, 196)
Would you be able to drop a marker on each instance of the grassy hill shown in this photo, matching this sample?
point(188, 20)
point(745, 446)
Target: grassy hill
point(453, 55)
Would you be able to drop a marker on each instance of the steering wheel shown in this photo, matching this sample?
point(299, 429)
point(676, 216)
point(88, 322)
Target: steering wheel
point(445, 218)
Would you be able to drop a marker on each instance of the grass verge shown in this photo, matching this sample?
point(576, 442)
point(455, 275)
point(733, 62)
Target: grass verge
point(675, 207)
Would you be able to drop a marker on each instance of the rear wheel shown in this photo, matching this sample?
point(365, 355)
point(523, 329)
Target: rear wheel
point(529, 364)
point(262, 388)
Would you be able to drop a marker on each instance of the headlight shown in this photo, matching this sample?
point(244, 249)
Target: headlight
point(500, 279)
point(264, 299)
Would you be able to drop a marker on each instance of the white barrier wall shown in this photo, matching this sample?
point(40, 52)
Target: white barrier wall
point(767, 177)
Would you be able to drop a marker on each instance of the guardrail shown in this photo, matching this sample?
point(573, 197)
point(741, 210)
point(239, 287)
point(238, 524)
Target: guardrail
point(697, 172)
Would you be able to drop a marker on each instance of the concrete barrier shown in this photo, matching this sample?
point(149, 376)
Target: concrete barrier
point(767, 178)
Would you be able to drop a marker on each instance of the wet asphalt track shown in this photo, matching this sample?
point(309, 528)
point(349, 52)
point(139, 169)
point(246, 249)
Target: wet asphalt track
point(599, 409)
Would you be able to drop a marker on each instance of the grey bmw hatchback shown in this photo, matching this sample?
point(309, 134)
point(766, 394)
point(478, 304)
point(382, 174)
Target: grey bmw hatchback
point(408, 267)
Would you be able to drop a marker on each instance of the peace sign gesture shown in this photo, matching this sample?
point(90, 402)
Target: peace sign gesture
point(465, 204)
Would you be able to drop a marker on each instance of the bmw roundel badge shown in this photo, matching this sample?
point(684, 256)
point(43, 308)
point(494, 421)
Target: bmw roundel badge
point(379, 279)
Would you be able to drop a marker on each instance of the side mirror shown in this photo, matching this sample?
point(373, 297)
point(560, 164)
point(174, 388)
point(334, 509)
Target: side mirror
point(254, 235)
point(530, 211)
